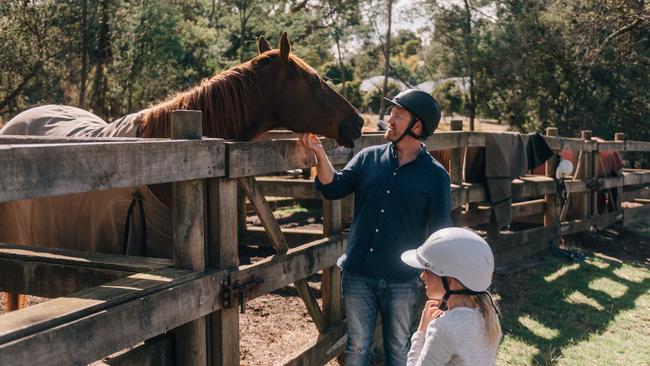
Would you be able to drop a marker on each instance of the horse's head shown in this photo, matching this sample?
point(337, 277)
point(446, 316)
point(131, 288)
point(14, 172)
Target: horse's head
point(298, 99)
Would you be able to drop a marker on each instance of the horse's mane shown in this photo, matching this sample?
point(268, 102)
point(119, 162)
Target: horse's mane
point(223, 99)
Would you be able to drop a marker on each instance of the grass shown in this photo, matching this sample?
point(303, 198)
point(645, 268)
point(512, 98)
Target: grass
point(591, 313)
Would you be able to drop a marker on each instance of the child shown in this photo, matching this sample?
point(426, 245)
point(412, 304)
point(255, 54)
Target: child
point(459, 323)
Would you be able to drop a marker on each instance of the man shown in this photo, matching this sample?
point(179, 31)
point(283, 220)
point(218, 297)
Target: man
point(401, 196)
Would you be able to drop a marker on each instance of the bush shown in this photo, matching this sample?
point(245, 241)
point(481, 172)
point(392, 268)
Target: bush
point(451, 98)
point(374, 97)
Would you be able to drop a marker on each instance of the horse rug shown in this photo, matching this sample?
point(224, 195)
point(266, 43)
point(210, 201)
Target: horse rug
point(116, 221)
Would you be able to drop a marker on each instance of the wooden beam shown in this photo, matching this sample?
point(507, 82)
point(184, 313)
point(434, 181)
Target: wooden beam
point(265, 157)
point(513, 239)
point(328, 345)
point(636, 177)
point(30, 171)
point(146, 304)
point(532, 186)
point(331, 279)
point(456, 169)
point(158, 351)
point(23, 268)
point(634, 214)
point(551, 212)
point(272, 229)
point(22, 140)
point(85, 337)
point(643, 193)
point(293, 236)
point(282, 187)
point(222, 220)
point(575, 144)
point(637, 146)
point(188, 237)
point(610, 146)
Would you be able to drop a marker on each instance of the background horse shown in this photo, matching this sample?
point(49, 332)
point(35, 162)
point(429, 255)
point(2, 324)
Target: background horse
point(274, 89)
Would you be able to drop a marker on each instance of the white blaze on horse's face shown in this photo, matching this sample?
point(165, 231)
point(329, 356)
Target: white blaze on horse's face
point(303, 102)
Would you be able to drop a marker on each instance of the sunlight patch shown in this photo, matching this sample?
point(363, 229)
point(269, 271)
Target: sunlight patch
point(611, 288)
point(561, 272)
point(631, 274)
point(597, 263)
point(538, 328)
point(608, 258)
point(578, 297)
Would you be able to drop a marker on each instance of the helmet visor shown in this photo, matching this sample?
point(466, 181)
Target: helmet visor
point(413, 259)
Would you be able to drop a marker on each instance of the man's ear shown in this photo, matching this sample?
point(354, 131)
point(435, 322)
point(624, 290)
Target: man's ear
point(263, 45)
point(285, 47)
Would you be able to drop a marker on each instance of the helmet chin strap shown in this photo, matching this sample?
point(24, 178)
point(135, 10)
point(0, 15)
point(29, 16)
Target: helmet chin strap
point(445, 283)
point(409, 132)
point(443, 303)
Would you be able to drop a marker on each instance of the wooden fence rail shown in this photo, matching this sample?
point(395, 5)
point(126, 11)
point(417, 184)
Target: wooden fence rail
point(194, 298)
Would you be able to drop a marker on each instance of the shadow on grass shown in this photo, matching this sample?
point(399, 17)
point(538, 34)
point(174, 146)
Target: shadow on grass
point(559, 304)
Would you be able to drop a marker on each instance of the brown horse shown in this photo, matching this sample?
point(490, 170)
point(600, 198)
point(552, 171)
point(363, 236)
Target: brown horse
point(274, 89)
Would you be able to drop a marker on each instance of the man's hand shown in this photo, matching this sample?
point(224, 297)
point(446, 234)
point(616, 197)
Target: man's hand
point(311, 142)
point(429, 313)
point(323, 166)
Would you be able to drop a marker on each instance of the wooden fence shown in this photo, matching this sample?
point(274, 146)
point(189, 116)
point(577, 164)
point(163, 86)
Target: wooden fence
point(186, 310)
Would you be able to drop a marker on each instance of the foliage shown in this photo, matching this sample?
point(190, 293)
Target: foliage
point(374, 97)
point(575, 65)
point(451, 98)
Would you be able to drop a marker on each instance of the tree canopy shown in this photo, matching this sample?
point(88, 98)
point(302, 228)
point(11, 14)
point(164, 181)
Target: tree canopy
point(582, 64)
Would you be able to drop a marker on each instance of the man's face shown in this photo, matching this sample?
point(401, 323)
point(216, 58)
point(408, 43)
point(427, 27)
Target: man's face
point(398, 122)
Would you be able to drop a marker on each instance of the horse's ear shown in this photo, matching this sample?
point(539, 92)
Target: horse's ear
point(263, 45)
point(285, 47)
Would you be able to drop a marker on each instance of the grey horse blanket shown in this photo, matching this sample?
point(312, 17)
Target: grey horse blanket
point(92, 221)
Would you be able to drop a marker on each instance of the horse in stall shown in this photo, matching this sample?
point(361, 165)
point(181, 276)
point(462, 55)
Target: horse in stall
point(274, 89)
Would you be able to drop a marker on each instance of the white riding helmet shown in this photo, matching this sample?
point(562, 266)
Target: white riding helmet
point(455, 252)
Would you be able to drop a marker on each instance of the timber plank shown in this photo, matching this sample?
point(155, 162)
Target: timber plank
point(636, 177)
point(30, 171)
point(82, 259)
point(318, 352)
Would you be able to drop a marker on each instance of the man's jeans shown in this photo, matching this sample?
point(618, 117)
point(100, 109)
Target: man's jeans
point(362, 297)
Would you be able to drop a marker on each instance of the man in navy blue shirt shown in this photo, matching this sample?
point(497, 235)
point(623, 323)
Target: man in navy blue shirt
point(402, 194)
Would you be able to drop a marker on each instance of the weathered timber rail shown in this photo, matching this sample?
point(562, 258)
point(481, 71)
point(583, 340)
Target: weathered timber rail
point(156, 300)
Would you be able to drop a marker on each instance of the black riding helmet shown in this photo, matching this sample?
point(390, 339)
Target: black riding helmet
point(423, 107)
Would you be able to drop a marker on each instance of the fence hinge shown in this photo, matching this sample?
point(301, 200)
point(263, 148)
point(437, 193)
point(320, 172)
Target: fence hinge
point(229, 292)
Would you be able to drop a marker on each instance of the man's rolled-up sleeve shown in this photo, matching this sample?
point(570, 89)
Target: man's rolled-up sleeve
point(344, 182)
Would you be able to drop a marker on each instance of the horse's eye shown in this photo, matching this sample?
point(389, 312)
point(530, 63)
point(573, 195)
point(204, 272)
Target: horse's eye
point(314, 79)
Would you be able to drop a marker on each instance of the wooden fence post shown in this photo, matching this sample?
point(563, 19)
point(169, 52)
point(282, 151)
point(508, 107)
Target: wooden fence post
point(223, 325)
point(331, 281)
point(592, 196)
point(188, 202)
point(550, 202)
point(456, 169)
point(583, 173)
point(620, 136)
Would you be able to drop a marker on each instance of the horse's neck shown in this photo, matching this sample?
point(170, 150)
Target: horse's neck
point(215, 119)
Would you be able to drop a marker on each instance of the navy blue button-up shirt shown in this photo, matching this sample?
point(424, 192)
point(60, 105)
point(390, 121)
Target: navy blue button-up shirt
point(395, 209)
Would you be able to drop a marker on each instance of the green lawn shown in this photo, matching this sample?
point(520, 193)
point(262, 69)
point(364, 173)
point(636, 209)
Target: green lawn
point(592, 313)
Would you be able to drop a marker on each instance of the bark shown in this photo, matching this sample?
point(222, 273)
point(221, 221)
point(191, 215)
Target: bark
point(382, 105)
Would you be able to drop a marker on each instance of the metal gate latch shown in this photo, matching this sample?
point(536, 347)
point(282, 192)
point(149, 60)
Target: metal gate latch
point(229, 292)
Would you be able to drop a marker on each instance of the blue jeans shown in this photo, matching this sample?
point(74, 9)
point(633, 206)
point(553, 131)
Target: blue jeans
point(363, 296)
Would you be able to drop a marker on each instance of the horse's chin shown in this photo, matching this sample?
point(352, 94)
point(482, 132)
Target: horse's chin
point(346, 141)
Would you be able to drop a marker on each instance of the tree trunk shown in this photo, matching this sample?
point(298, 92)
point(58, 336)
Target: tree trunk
point(100, 83)
point(341, 69)
point(84, 53)
point(382, 105)
point(469, 51)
